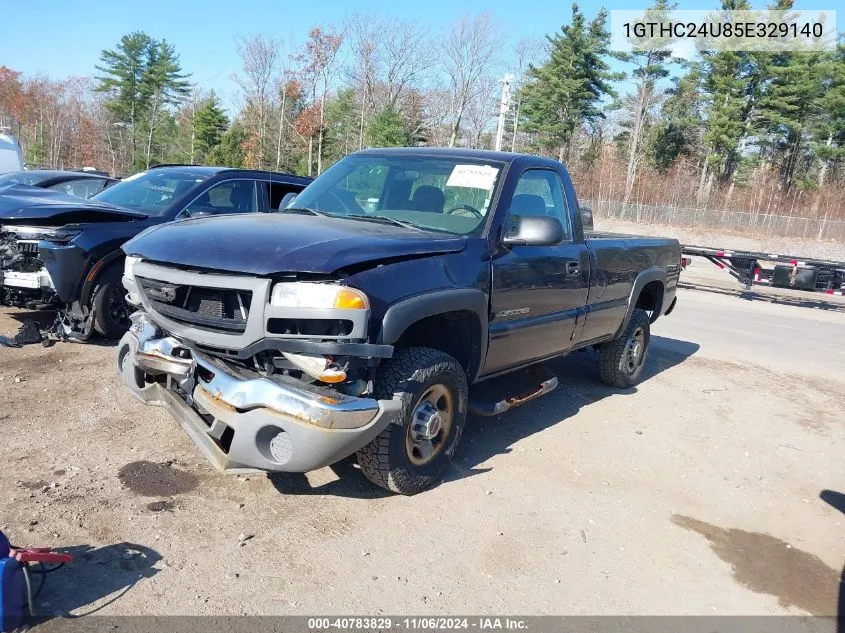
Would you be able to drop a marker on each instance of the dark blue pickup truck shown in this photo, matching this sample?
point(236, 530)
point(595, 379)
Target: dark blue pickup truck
point(369, 316)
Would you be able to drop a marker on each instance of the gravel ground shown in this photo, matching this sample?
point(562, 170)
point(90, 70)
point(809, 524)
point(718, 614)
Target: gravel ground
point(711, 488)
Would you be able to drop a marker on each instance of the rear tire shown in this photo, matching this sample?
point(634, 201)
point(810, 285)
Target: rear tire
point(111, 312)
point(410, 457)
point(621, 360)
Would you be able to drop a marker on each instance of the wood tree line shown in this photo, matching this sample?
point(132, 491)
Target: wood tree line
point(758, 132)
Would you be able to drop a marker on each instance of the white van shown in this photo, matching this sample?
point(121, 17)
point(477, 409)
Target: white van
point(11, 158)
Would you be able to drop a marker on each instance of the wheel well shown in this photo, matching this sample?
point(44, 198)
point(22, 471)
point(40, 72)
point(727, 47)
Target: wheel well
point(109, 265)
point(455, 333)
point(650, 299)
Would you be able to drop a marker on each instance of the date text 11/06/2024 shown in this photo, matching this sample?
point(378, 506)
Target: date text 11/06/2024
point(416, 624)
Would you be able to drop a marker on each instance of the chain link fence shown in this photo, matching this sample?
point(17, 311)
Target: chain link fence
point(752, 224)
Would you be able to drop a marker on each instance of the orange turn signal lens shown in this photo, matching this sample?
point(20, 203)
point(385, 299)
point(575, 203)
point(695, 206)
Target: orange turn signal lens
point(351, 299)
point(332, 376)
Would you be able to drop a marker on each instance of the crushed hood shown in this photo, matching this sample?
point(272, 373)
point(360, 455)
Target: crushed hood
point(20, 204)
point(272, 243)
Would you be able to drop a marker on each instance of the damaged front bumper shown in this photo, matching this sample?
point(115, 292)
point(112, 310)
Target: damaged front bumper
point(245, 423)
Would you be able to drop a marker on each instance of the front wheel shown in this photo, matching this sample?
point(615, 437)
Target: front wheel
point(411, 455)
point(111, 312)
point(621, 360)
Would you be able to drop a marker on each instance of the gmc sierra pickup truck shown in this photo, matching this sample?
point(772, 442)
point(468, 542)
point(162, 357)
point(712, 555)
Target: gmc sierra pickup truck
point(369, 316)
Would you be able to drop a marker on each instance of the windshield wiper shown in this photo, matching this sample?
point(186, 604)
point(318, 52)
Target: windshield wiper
point(299, 209)
point(383, 219)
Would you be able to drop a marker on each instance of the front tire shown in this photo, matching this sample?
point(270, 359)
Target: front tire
point(621, 360)
point(410, 457)
point(111, 312)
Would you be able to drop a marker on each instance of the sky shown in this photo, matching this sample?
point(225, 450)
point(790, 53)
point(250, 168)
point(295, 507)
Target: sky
point(60, 38)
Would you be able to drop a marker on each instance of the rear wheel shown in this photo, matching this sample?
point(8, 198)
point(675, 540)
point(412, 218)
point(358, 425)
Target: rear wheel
point(621, 360)
point(111, 312)
point(412, 456)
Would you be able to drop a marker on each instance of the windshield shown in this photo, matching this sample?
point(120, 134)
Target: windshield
point(21, 178)
point(451, 195)
point(152, 192)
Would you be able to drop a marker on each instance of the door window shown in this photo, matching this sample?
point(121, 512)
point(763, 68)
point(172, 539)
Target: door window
point(278, 190)
point(81, 188)
point(540, 192)
point(231, 196)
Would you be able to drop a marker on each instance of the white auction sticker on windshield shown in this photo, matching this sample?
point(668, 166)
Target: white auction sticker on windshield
point(472, 176)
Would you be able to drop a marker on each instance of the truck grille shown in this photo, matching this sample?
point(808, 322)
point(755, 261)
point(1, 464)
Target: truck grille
point(198, 306)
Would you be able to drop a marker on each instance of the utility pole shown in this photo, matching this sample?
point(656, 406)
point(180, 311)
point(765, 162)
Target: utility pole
point(504, 107)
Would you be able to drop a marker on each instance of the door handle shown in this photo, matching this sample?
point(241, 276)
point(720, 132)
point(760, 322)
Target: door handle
point(573, 268)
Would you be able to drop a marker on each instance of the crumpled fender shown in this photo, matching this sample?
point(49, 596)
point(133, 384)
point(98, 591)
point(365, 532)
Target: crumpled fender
point(66, 265)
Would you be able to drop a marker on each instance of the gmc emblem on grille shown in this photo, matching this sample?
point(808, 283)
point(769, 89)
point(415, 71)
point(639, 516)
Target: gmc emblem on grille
point(164, 293)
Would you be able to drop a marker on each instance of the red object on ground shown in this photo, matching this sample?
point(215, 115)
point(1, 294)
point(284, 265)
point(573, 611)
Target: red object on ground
point(39, 555)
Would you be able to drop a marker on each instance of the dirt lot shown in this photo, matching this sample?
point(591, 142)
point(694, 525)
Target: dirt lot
point(712, 488)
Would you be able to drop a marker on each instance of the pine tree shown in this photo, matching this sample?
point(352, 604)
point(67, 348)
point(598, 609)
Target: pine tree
point(124, 69)
point(804, 112)
point(828, 124)
point(144, 80)
point(162, 86)
point(342, 121)
point(210, 122)
point(387, 129)
point(678, 130)
point(230, 151)
point(564, 93)
point(734, 86)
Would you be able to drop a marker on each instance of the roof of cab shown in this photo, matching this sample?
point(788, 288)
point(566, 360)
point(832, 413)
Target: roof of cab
point(211, 170)
point(460, 152)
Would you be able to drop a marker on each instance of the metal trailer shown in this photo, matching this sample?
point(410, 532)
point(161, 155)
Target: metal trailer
point(785, 271)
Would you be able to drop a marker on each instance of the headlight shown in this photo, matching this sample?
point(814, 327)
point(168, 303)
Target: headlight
point(301, 294)
point(129, 262)
point(59, 236)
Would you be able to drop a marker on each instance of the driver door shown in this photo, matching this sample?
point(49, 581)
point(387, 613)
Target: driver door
point(539, 292)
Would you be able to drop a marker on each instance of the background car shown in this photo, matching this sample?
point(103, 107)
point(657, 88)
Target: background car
point(11, 157)
point(59, 250)
point(82, 184)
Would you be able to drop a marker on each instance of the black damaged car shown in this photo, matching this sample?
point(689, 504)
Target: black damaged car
point(82, 183)
point(60, 251)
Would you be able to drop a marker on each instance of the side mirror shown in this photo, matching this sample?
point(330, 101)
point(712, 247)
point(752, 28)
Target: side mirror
point(534, 230)
point(587, 219)
point(287, 199)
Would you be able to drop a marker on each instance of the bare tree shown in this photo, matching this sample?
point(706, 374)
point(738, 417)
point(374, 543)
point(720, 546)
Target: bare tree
point(407, 57)
point(388, 58)
point(469, 54)
point(319, 58)
point(259, 55)
point(481, 109)
point(649, 68)
point(364, 34)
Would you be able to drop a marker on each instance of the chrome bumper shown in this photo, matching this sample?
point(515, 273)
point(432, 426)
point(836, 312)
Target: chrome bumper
point(245, 423)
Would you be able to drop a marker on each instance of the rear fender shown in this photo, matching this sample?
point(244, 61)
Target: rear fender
point(655, 273)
